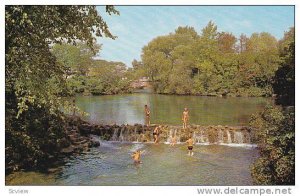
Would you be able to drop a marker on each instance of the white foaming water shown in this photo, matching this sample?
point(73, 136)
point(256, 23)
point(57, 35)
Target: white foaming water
point(108, 144)
point(238, 137)
point(136, 146)
point(200, 138)
point(220, 136)
point(121, 138)
point(137, 142)
point(204, 143)
point(173, 133)
point(244, 145)
point(228, 137)
point(175, 144)
point(115, 135)
point(240, 145)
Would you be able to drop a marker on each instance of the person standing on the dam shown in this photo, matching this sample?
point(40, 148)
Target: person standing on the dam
point(147, 115)
point(185, 117)
point(190, 143)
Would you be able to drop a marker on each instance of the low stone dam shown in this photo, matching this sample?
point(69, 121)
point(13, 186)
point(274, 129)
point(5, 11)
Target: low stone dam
point(140, 133)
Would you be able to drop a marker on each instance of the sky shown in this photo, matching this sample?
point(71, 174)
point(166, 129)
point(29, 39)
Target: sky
point(136, 26)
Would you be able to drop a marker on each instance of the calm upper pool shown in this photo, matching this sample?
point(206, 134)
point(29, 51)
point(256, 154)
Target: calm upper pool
point(167, 109)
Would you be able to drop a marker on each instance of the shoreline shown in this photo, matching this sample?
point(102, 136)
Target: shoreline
point(170, 94)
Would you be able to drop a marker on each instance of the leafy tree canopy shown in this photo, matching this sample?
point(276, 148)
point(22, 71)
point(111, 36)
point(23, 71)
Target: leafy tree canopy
point(31, 72)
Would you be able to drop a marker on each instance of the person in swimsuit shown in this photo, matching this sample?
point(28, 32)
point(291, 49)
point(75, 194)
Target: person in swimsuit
point(156, 134)
point(147, 115)
point(136, 156)
point(190, 143)
point(185, 117)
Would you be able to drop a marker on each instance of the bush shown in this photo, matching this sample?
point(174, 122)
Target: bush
point(275, 134)
point(33, 140)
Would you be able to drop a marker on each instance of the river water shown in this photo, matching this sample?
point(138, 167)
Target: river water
point(167, 109)
point(111, 163)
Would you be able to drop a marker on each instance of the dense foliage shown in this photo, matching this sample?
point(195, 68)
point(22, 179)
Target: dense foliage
point(284, 84)
point(84, 74)
point(275, 126)
point(34, 81)
point(212, 63)
point(276, 137)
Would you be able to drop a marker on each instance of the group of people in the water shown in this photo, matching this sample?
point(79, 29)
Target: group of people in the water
point(136, 156)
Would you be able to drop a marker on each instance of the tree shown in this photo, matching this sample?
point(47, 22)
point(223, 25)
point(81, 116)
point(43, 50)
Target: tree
point(75, 59)
point(275, 126)
point(35, 81)
point(164, 54)
point(215, 63)
point(258, 63)
point(284, 82)
point(227, 42)
point(107, 78)
point(242, 43)
point(210, 31)
point(29, 33)
point(136, 64)
point(275, 133)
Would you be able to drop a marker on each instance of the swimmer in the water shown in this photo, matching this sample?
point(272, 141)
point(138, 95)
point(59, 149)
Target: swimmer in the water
point(190, 143)
point(136, 156)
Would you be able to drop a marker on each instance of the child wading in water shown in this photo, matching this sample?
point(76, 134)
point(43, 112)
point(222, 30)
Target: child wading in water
point(185, 117)
point(190, 143)
point(136, 156)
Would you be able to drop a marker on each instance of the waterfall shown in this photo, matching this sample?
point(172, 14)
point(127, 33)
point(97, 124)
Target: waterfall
point(135, 135)
point(233, 136)
point(173, 133)
point(238, 137)
point(177, 138)
point(197, 138)
point(228, 137)
point(220, 136)
point(204, 138)
point(200, 138)
point(194, 136)
point(121, 137)
point(115, 135)
point(170, 136)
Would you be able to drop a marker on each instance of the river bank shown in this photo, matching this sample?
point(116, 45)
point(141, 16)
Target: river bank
point(71, 144)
